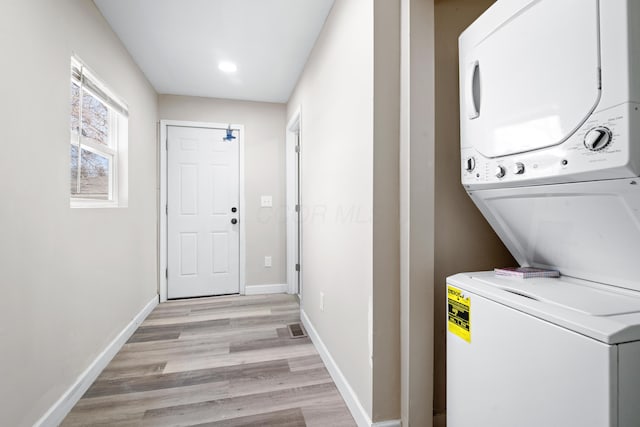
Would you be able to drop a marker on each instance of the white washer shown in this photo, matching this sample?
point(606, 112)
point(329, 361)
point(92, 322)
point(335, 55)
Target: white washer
point(544, 352)
point(550, 151)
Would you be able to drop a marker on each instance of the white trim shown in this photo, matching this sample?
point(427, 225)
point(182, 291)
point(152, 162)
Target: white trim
point(351, 399)
point(391, 423)
point(291, 172)
point(280, 288)
point(162, 261)
point(59, 410)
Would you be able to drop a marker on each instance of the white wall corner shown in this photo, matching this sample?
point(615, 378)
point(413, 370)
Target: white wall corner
point(59, 410)
point(351, 399)
point(279, 288)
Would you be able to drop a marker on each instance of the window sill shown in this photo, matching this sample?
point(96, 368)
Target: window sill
point(89, 203)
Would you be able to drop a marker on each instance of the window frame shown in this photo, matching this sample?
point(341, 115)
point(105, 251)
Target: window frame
point(117, 137)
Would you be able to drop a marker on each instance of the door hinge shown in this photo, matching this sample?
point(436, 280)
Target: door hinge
point(166, 273)
point(297, 267)
point(297, 208)
point(297, 148)
point(166, 209)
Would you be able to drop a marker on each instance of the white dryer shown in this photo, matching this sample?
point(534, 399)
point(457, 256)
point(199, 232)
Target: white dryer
point(550, 148)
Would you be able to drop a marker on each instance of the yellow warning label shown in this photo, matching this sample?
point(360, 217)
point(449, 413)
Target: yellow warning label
point(459, 313)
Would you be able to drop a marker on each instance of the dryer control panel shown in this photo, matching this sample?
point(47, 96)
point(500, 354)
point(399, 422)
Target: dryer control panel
point(600, 149)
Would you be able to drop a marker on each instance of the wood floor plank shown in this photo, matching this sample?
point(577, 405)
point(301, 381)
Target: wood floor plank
point(130, 407)
point(305, 363)
point(176, 354)
point(213, 315)
point(328, 413)
point(154, 336)
point(233, 359)
point(142, 369)
point(184, 378)
point(280, 318)
point(254, 404)
point(225, 361)
point(236, 332)
point(285, 418)
point(247, 386)
point(257, 344)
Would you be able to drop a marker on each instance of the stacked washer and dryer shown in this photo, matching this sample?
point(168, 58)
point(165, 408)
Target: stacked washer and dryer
point(550, 144)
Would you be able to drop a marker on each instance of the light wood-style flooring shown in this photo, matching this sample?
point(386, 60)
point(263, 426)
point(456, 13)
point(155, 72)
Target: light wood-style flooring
point(224, 361)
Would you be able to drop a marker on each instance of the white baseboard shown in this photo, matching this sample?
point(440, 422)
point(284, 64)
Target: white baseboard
point(56, 414)
point(391, 423)
point(351, 399)
point(266, 289)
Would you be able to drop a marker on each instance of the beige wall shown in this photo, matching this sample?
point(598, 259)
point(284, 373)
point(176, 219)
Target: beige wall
point(417, 189)
point(464, 240)
point(72, 279)
point(264, 144)
point(386, 210)
point(335, 94)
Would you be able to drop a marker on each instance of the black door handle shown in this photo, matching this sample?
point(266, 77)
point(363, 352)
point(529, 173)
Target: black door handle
point(234, 221)
point(234, 210)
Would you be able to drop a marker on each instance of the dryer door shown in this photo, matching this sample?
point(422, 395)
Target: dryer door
point(530, 76)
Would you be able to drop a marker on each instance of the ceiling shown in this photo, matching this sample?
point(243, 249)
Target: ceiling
point(178, 44)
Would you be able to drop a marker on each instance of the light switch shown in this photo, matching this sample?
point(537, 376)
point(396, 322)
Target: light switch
point(267, 261)
point(266, 201)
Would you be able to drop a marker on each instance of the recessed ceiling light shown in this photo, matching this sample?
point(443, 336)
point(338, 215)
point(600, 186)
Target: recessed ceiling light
point(227, 67)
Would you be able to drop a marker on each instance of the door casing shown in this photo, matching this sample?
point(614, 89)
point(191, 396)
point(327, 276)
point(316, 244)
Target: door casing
point(162, 213)
point(293, 194)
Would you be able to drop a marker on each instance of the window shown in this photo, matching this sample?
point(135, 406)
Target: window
point(98, 137)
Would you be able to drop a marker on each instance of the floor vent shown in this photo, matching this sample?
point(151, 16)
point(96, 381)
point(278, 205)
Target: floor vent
point(296, 330)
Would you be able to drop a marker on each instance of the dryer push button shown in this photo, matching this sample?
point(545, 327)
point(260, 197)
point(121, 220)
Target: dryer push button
point(518, 168)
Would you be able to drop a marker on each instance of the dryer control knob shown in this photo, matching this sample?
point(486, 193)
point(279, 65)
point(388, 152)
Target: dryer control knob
point(598, 138)
point(518, 168)
point(470, 164)
point(501, 172)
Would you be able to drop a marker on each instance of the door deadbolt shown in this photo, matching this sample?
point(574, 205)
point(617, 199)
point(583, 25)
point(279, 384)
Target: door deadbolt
point(234, 210)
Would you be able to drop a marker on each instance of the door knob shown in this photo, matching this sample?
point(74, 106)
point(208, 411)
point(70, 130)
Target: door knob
point(234, 221)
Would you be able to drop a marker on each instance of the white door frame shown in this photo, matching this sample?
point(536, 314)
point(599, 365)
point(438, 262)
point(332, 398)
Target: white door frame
point(162, 148)
point(293, 127)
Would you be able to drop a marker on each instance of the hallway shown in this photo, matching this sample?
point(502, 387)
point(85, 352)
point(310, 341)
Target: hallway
point(224, 361)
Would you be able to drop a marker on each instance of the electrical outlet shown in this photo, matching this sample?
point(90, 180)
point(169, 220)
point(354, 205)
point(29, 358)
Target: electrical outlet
point(267, 261)
point(266, 201)
point(321, 301)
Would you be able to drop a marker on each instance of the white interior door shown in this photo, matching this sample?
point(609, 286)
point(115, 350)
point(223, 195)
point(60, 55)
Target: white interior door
point(203, 172)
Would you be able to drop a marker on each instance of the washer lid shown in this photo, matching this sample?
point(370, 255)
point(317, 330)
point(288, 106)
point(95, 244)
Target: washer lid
point(529, 74)
point(602, 312)
point(588, 230)
point(569, 294)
